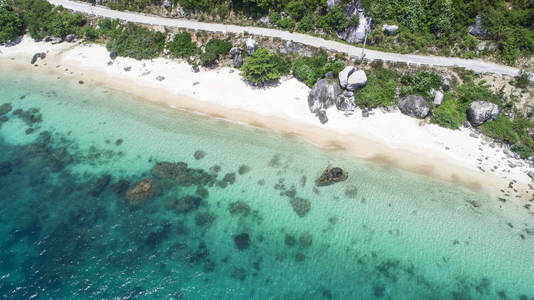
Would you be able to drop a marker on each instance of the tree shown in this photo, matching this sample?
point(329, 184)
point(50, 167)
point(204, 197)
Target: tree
point(296, 9)
point(11, 24)
point(306, 24)
point(214, 48)
point(261, 66)
point(334, 20)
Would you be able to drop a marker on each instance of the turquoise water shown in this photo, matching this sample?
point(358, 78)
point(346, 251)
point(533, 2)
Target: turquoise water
point(243, 220)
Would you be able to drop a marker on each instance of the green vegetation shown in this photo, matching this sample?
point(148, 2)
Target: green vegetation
point(136, 42)
point(333, 20)
point(522, 81)
point(309, 69)
point(214, 49)
point(263, 66)
point(11, 24)
point(379, 90)
point(448, 114)
point(182, 46)
point(420, 84)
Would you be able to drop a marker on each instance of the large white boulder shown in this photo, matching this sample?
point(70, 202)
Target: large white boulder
point(344, 75)
point(356, 80)
point(481, 111)
point(438, 97)
point(250, 43)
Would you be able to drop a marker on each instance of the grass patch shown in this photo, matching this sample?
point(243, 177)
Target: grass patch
point(448, 114)
point(379, 90)
point(136, 42)
point(310, 69)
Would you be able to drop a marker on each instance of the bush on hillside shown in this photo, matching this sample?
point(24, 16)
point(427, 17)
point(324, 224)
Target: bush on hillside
point(214, 48)
point(309, 69)
point(182, 46)
point(11, 24)
point(379, 90)
point(448, 114)
point(263, 66)
point(136, 42)
point(420, 84)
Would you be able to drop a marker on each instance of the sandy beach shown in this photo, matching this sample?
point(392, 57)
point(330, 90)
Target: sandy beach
point(390, 138)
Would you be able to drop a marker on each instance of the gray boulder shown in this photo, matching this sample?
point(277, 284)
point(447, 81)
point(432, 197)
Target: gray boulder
point(237, 57)
point(323, 94)
point(414, 106)
point(14, 42)
point(481, 111)
point(355, 34)
point(445, 84)
point(36, 56)
point(438, 97)
point(356, 80)
point(477, 29)
point(70, 38)
point(322, 116)
point(54, 39)
point(345, 102)
point(390, 29)
point(250, 43)
point(166, 4)
point(344, 75)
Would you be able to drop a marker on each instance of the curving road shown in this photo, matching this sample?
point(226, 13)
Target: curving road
point(100, 11)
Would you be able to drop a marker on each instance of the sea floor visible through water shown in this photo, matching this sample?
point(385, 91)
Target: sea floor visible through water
point(226, 211)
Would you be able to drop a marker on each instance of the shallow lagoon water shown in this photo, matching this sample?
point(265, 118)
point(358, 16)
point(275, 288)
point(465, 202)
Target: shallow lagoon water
point(244, 220)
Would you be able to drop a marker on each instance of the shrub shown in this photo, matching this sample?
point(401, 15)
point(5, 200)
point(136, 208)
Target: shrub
point(91, 34)
point(354, 21)
point(522, 80)
point(136, 42)
point(286, 23)
point(333, 20)
point(182, 46)
point(306, 24)
point(420, 84)
point(379, 90)
point(309, 69)
point(448, 114)
point(11, 24)
point(262, 66)
point(501, 129)
point(296, 9)
point(214, 48)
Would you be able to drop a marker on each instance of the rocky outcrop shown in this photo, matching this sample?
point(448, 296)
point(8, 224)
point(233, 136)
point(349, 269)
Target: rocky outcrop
point(237, 57)
point(345, 102)
point(323, 94)
point(414, 106)
point(438, 97)
point(355, 34)
point(331, 176)
point(344, 75)
point(289, 47)
point(390, 29)
point(356, 80)
point(250, 43)
point(477, 29)
point(36, 56)
point(141, 191)
point(54, 39)
point(481, 111)
point(332, 3)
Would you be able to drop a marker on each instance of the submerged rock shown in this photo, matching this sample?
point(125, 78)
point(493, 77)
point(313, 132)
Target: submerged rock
point(121, 186)
point(290, 240)
point(481, 111)
point(183, 205)
point(142, 191)
point(30, 116)
point(300, 206)
point(331, 176)
point(242, 241)
point(239, 208)
point(305, 240)
point(100, 185)
point(199, 154)
point(5, 108)
point(414, 106)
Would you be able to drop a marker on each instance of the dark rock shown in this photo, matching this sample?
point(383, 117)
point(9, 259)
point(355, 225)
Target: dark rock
point(30, 116)
point(5, 108)
point(239, 208)
point(414, 106)
point(243, 169)
point(289, 47)
point(355, 34)
point(168, 169)
point(229, 178)
point(100, 185)
point(80, 82)
point(160, 78)
point(120, 187)
point(54, 39)
point(142, 191)
point(199, 154)
point(300, 206)
point(70, 38)
point(36, 56)
point(331, 176)
point(323, 94)
point(300, 257)
point(290, 240)
point(118, 142)
point(29, 131)
point(481, 111)
point(113, 55)
point(242, 241)
point(322, 116)
point(202, 192)
point(204, 219)
point(305, 240)
point(237, 57)
point(445, 84)
point(127, 69)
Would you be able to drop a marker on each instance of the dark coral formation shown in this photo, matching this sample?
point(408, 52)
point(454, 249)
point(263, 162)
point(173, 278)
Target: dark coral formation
point(331, 176)
point(141, 191)
point(242, 241)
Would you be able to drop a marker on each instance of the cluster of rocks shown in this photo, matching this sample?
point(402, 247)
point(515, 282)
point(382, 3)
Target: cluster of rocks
point(36, 56)
point(327, 91)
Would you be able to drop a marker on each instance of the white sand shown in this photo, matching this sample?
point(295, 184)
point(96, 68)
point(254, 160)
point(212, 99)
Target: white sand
point(392, 138)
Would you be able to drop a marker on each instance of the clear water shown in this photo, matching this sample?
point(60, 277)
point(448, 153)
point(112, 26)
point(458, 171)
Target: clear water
point(383, 233)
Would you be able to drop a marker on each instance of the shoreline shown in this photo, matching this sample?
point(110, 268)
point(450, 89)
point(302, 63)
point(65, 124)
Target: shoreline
point(386, 138)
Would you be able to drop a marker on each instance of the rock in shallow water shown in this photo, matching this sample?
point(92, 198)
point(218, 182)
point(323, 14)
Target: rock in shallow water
point(142, 191)
point(5, 108)
point(331, 176)
point(300, 206)
point(242, 241)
